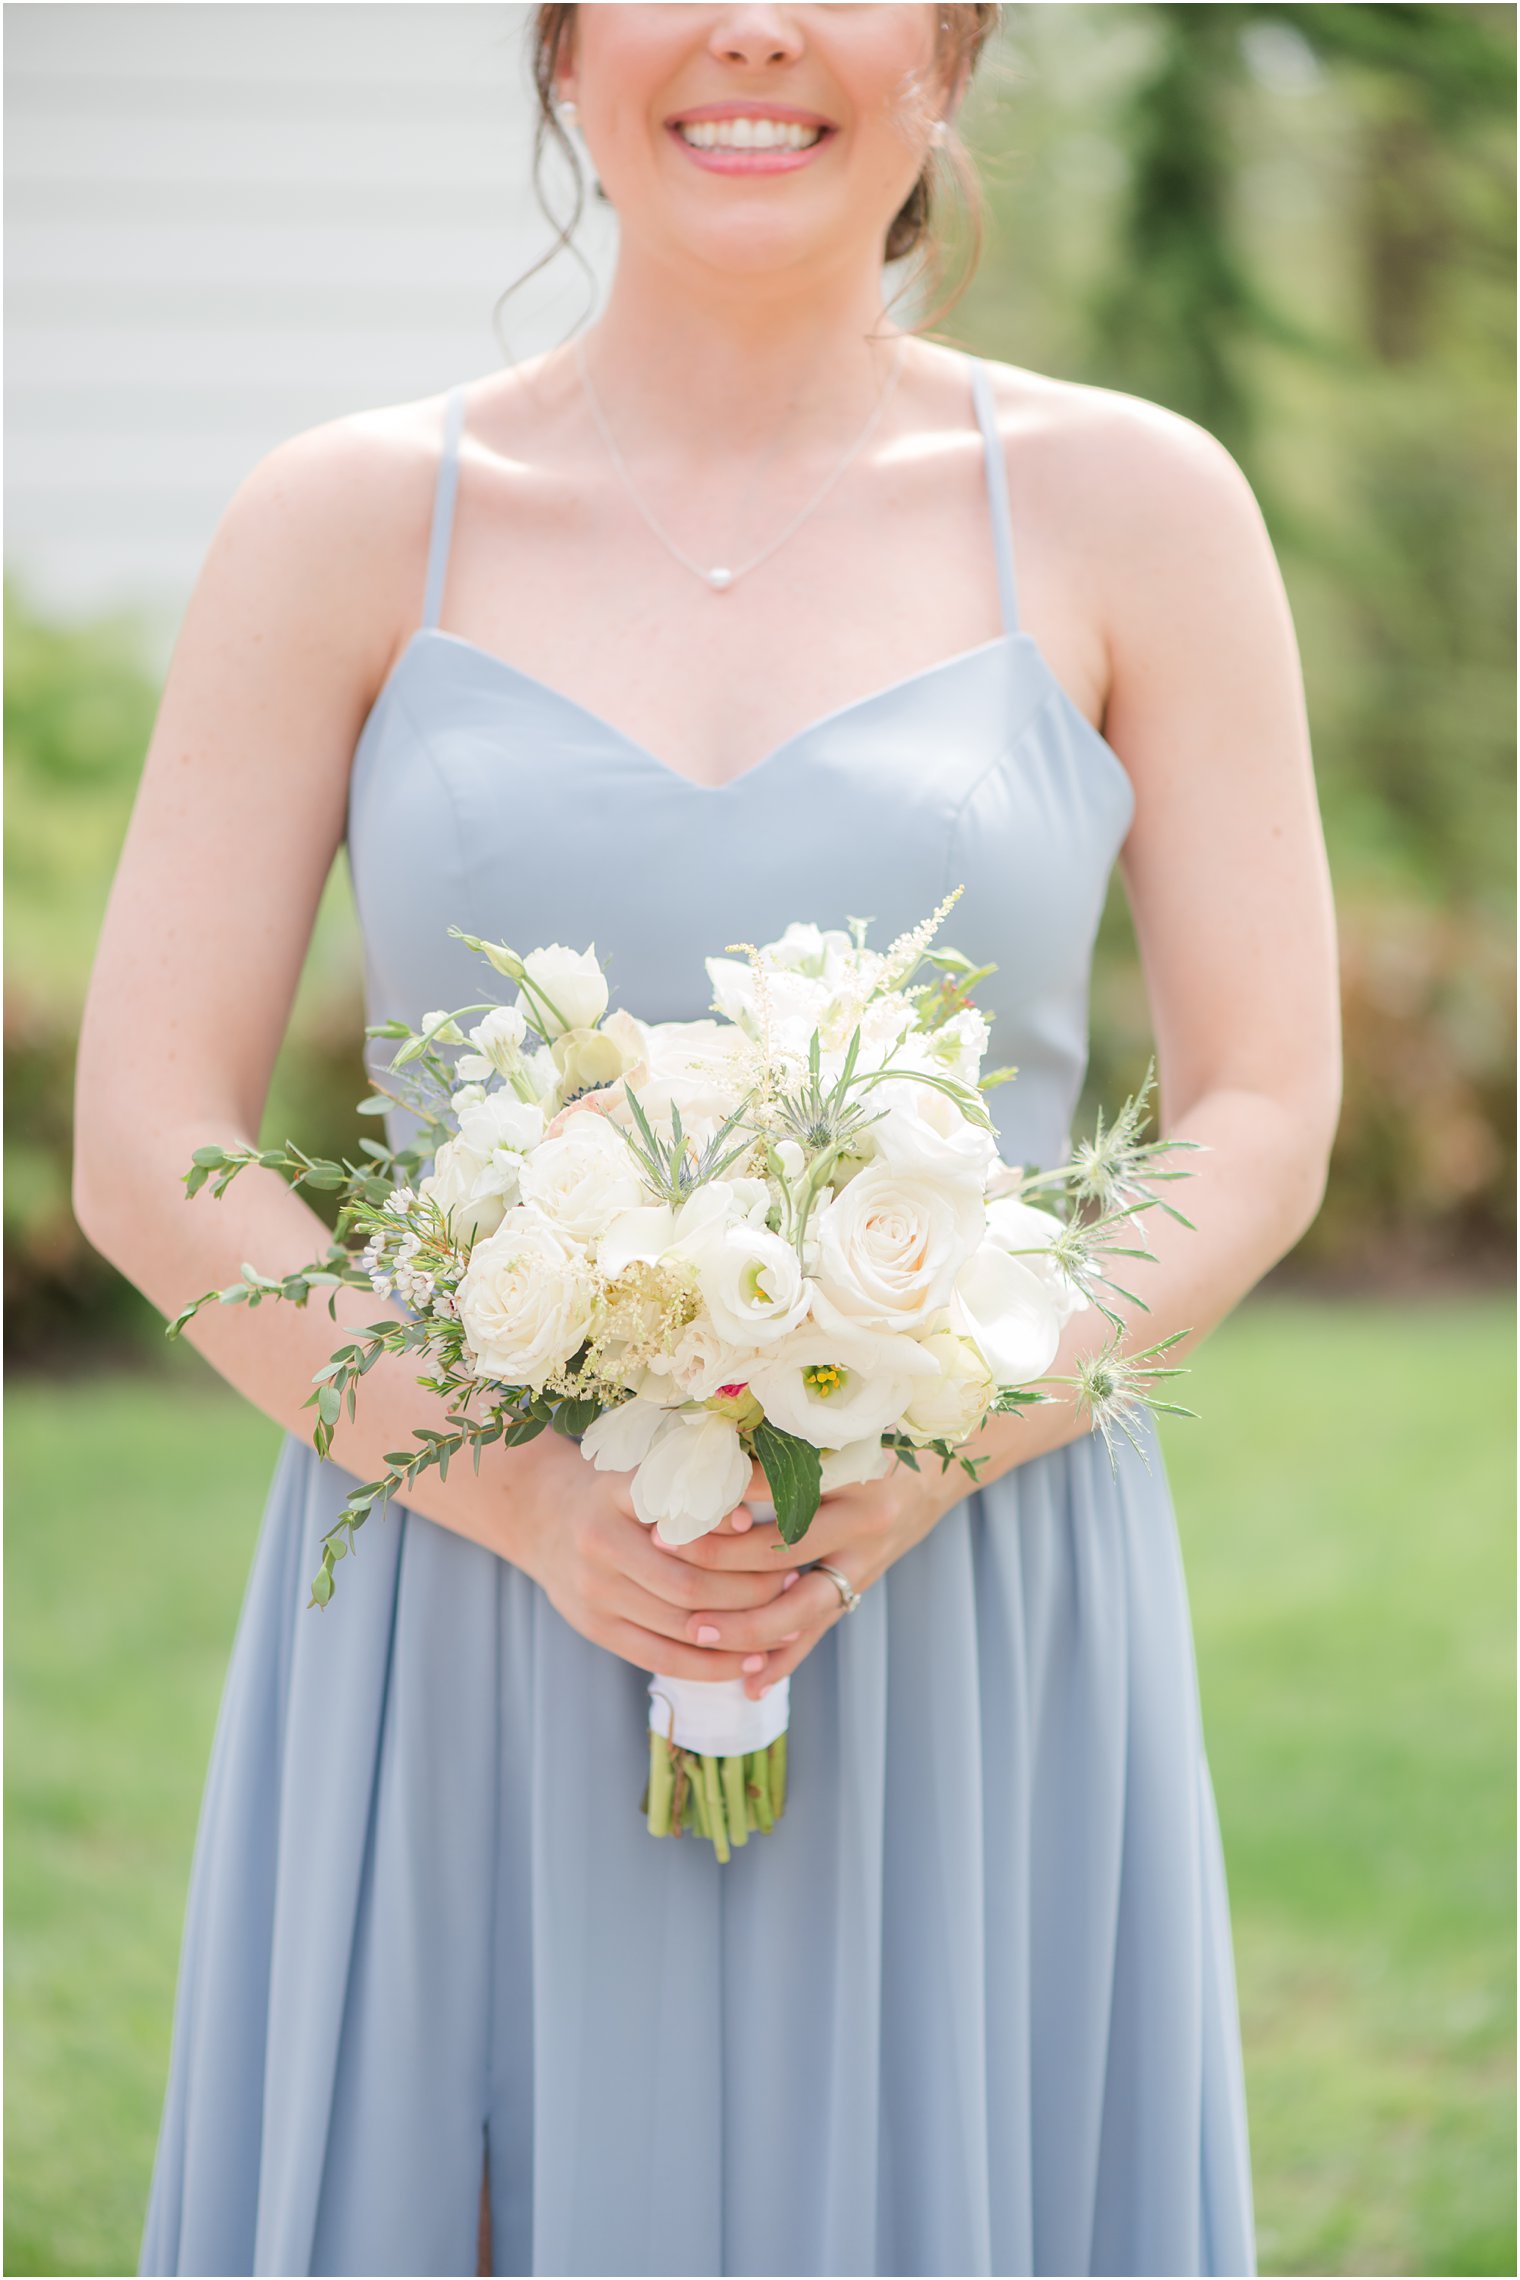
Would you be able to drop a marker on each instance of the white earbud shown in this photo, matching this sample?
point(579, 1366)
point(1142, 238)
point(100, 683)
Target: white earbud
point(569, 113)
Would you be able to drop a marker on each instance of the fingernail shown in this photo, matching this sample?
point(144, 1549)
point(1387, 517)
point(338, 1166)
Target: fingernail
point(753, 1662)
point(740, 1519)
point(707, 1636)
point(790, 1638)
point(788, 1581)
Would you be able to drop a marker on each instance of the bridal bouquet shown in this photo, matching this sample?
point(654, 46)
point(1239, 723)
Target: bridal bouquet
point(782, 1235)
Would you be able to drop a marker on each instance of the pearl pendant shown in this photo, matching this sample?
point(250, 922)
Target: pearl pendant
point(720, 580)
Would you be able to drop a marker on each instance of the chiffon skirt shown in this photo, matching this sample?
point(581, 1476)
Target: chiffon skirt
point(970, 2008)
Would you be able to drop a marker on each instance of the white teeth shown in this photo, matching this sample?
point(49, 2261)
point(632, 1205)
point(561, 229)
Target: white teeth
point(747, 134)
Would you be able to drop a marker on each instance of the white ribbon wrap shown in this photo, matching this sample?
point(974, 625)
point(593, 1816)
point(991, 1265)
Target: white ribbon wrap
point(717, 1719)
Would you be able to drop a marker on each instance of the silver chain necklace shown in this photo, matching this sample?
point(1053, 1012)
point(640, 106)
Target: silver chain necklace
point(717, 577)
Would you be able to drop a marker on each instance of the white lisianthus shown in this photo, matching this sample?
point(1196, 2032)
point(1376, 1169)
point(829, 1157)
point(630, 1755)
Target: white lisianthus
point(890, 1246)
point(831, 1387)
point(924, 1131)
point(525, 1300)
point(582, 1179)
point(952, 1405)
point(694, 1474)
point(475, 1175)
point(854, 1464)
point(1021, 1227)
point(572, 982)
point(753, 1284)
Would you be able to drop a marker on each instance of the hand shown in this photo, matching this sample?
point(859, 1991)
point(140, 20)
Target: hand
point(861, 1531)
point(573, 1529)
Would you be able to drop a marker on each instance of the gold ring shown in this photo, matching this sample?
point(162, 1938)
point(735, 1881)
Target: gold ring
point(848, 1595)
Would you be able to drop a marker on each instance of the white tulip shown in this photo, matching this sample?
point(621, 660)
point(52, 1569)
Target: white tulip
point(694, 1474)
point(1010, 1314)
point(1021, 1227)
point(619, 1440)
point(854, 1464)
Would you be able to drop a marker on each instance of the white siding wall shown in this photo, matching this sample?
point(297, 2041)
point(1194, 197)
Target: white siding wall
point(225, 223)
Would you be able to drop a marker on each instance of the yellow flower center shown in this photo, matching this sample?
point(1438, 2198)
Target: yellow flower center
point(823, 1378)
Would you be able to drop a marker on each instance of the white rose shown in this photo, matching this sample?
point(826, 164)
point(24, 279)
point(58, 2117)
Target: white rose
point(925, 1132)
point(475, 1175)
point(573, 983)
point(582, 1179)
point(525, 1300)
point(890, 1246)
point(753, 1285)
point(952, 1405)
point(831, 1387)
point(696, 1471)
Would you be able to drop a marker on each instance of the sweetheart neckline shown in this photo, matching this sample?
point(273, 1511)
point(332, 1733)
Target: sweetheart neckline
point(1009, 639)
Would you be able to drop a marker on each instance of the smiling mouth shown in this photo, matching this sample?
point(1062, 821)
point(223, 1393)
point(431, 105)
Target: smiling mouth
point(746, 134)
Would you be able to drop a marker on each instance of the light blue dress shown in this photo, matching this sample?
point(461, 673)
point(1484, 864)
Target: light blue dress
point(972, 2008)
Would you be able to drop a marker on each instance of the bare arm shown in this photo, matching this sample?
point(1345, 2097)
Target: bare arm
point(240, 811)
point(1228, 881)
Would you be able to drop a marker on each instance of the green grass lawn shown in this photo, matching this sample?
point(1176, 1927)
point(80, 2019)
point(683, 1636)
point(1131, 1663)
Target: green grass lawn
point(1346, 1508)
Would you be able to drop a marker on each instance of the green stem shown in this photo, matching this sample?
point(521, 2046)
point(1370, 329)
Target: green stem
point(759, 1787)
point(714, 1802)
point(734, 1799)
point(776, 1755)
point(662, 1785)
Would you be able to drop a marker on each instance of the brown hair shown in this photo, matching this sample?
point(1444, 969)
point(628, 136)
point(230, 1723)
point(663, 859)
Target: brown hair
point(961, 34)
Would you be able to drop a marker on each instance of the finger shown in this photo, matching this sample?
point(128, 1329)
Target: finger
point(761, 1548)
point(691, 1588)
point(783, 1660)
point(651, 1652)
point(779, 1623)
point(627, 1601)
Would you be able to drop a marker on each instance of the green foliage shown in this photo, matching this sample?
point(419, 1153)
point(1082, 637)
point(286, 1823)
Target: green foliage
point(1349, 1561)
point(1296, 225)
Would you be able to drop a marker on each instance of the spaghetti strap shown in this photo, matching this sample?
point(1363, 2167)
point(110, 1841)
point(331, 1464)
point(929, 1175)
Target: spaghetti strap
point(443, 507)
point(997, 492)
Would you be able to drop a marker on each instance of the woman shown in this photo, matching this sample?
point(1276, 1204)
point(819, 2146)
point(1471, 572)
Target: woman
point(830, 627)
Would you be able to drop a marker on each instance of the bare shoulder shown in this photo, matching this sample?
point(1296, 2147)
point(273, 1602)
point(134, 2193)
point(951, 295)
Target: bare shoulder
point(329, 528)
point(1151, 512)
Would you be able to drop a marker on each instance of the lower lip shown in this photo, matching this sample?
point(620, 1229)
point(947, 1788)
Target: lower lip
point(752, 161)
